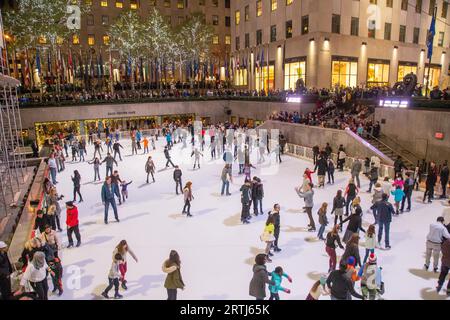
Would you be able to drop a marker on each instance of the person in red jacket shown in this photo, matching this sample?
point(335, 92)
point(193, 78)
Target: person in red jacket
point(72, 223)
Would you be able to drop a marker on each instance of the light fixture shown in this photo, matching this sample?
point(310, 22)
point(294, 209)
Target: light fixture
point(443, 52)
point(364, 43)
point(311, 39)
point(394, 103)
point(395, 47)
point(326, 39)
point(423, 50)
point(279, 46)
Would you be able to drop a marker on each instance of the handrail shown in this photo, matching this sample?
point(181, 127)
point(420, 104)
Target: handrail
point(400, 146)
point(395, 152)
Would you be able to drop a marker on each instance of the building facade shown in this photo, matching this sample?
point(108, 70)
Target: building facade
point(337, 42)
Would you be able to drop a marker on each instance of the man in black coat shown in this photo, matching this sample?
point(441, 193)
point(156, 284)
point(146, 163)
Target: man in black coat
point(177, 178)
point(430, 182)
point(444, 179)
point(246, 198)
point(167, 155)
point(5, 272)
point(322, 168)
point(116, 148)
point(277, 221)
point(41, 221)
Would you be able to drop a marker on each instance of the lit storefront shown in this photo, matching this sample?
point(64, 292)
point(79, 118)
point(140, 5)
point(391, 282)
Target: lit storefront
point(265, 78)
point(240, 78)
point(294, 69)
point(378, 73)
point(405, 68)
point(435, 75)
point(344, 71)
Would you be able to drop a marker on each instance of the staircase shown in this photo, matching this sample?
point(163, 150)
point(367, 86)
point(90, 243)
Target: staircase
point(393, 152)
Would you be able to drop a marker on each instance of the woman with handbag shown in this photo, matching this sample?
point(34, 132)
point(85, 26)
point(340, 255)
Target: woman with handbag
point(268, 236)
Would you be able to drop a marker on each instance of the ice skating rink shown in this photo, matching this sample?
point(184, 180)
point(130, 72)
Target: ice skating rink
point(217, 252)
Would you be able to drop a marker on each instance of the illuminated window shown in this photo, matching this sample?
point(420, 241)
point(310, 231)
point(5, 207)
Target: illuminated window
point(215, 20)
point(215, 39)
point(273, 33)
point(88, 2)
point(305, 24)
point(293, 71)
point(106, 40)
point(274, 5)
point(404, 69)
point(75, 39)
point(265, 79)
point(152, 3)
point(378, 73)
point(215, 3)
point(42, 40)
point(227, 39)
point(91, 40)
point(288, 29)
point(180, 4)
point(240, 77)
point(289, 2)
point(104, 3)
point(435, 74)
point(105, 20)
point(167, 3)
point(237, 17)
point(119, 4)
point(134, 4)
point(344, 72)
point(259, 8)
point(90, 19)
point(247, 13)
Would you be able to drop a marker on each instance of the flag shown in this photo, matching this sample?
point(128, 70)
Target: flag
point(102, 71)
point(70, 63)
point(49, 64)
point(111, 75)
point(27, 71)
point(129, 67)
point(261, 61)
point(38, 62)
point(284, 57)
point(430, 37)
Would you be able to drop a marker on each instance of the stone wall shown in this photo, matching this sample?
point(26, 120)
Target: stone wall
point(415, 131)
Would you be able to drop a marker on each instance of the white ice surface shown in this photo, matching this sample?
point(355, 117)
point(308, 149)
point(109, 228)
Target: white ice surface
point(216, 250)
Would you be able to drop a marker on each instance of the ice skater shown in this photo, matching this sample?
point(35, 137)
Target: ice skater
point(188, 197)
point(177, 173)
point(124, 189)
point(145, 142)
point(167, 155)
point(116, 148)
point(246, 199)
point(109, 163)
point(123, 249)
point(277, 276)
point(150, 168)
point(109, 191)
point(226, 178)
point(113, 277)
point(76, 179)
point(196, 154)
point(97, 148)
point(96, 162)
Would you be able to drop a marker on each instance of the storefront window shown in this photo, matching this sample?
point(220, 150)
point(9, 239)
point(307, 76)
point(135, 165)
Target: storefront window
point(378, 74)
point(404, 69)
point(292, 72)
point(435, 74)
point(344, 73)
point(265, 79)
point(240, 78)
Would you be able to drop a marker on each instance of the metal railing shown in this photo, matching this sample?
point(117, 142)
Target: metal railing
point(408, 160)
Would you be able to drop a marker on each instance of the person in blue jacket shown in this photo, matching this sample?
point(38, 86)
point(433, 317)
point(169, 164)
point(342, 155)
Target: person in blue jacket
point(385, 211)
point(398, 197)
point(169, 140)
point(277, 277)
point(108, 191)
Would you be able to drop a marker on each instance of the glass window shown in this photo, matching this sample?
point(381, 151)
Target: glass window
point(215, 39)
point(373, 1)
point(90, 20)
point(404, 5)
point(418, 6)
point(75, 39)
point(215, 20)
point(441, 39)
point(387, 31)
point(105, 20)
point(305, 24)
point(389, 3)
point(258, 37)
point(444, 9)
point(91, 40)
point(227, 4)
point(378, 74)
point(247, 13)
point(371, 29)
point(167, 3)
point(215, 3)
point(238, 45)
point(416, 35)
point(431, 8)
point(88, 2)
point(273, 33)
point(354, 29)
point(402, 34)
point(134, 4)
point(292, 72)
point(227, 21)
point(240, 77)
point(180, 4)
point(259, 8)
point(227, 39)
point(404, 69)
point(106, 40)
point(247, 40)
point(435, 74)
point(237, 17)
point(289, 2)
point(274, 5)
point(336, 23)
point(119, 3)
point(344, 73)
point(104, 3)
point(289, 29)
point(265, 78)
point(152, 3)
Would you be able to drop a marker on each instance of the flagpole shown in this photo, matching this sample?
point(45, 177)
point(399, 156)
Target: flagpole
point(429, 59)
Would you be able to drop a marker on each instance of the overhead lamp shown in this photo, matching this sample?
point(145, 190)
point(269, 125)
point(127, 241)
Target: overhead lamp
point(364, 43)
point(311, 39)
point(326, 39)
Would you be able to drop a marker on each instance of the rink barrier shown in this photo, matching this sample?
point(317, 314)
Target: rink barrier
point(25, 226)
point(306, 153)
